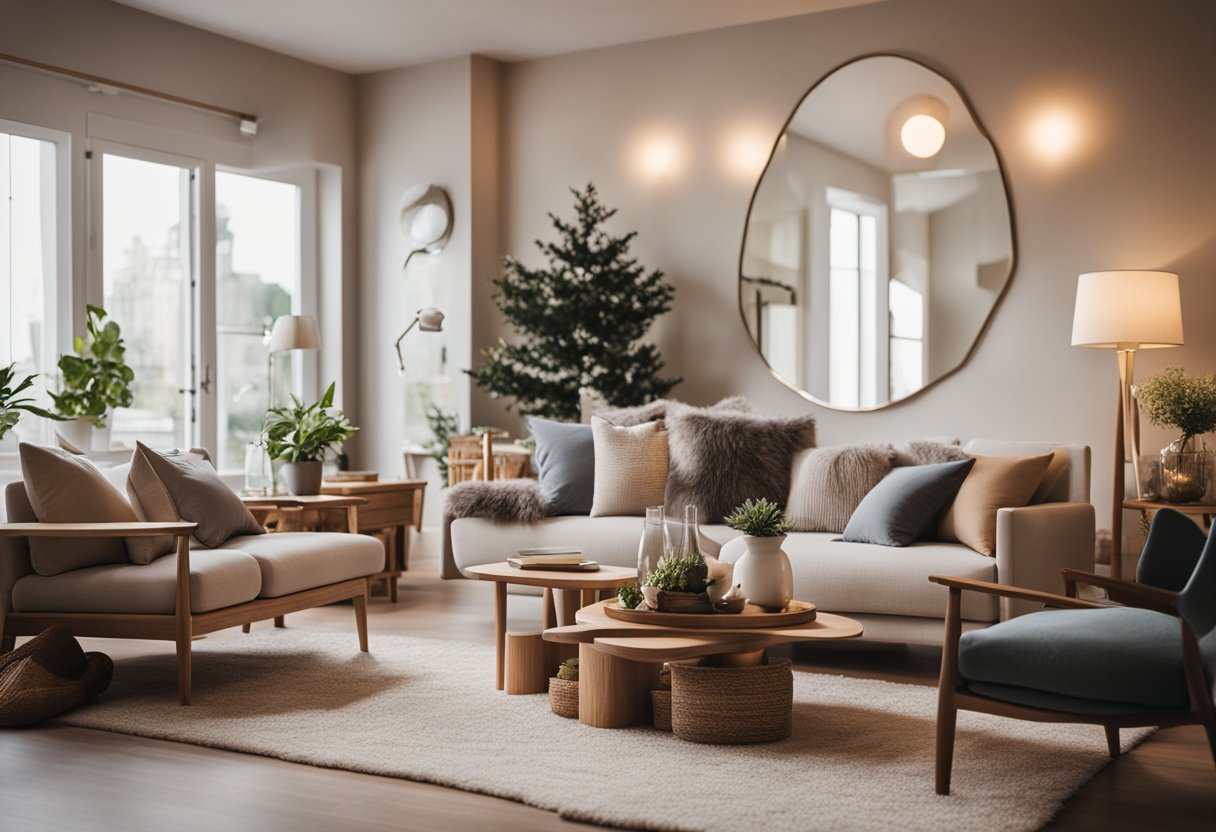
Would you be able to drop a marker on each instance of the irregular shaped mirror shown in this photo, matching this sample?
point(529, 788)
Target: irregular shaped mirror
point(879, 238)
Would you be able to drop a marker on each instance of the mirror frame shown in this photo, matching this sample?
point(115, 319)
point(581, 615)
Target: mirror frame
point(1013, 237)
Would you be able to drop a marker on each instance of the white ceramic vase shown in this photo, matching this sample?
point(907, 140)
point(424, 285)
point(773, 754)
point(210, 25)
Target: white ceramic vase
point(764, 573)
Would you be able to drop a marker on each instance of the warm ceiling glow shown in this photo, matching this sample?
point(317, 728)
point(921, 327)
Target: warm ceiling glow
point(659, 155)
point(922, 135)
point(745, 153)
point(1055, 135)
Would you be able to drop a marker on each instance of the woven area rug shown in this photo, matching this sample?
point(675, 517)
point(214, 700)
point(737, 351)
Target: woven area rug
point(861, 754)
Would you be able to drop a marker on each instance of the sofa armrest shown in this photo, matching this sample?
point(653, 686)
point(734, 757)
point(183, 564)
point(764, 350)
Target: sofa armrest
point(1033, 543)
point(96, 529)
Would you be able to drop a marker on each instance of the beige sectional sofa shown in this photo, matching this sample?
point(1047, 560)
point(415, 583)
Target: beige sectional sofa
point(887, 588)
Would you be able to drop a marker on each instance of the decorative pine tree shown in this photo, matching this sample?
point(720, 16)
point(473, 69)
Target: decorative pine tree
point(580, 321)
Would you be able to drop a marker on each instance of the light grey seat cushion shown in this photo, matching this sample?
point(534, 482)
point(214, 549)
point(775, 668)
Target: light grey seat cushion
point(869, 578)
point(1121, 655)
point(565, 463)
point(217, 579)
point(295, 561)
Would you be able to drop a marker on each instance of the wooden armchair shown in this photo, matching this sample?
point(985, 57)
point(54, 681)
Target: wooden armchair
point(1118, 667)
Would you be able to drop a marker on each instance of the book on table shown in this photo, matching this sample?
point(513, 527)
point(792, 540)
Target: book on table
point(552, 557)
point(578, 566)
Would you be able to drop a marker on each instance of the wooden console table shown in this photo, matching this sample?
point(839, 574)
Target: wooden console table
point(392, 507)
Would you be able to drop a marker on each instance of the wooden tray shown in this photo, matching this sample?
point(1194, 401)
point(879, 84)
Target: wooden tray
point(752, 617)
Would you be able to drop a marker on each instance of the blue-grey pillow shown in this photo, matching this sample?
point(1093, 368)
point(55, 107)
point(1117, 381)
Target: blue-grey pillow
point(565, 463)
point(905, 503)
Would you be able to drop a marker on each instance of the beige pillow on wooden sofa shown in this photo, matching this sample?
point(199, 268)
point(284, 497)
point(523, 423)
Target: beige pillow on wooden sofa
point(64, 488)
point(630, 467)
point(829, 483)
point(994, 482)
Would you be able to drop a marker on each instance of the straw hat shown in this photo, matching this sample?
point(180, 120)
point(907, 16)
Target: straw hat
point(48, 675)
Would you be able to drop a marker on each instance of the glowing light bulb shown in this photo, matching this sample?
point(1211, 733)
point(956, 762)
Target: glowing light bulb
point(922, 136)
point(1055, 135)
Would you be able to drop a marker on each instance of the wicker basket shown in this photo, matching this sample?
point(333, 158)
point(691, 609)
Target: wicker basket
point(732, 705)
point(563, 697)
point(660, 701)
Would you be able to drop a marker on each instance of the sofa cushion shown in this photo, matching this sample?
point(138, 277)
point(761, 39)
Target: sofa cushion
point(630, 467)
point(293, 561)
point(565, 463)
point(907, 501)
point(928, 452)
point(867, 578)
point(659, 408)
point(1122, 654)
point(64, 488)
point(198, 495)
point(217, 579)
point(721, 458)
point(829, 483)
point(994, 482)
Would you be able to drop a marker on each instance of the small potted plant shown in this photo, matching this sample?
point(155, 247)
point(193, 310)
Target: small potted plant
point(680, 581)
point(1172, 399)
point(301, 435)
point(764, 571)
point(563, 690)
point(96, 379)
point(13, 404)
point(629, 596)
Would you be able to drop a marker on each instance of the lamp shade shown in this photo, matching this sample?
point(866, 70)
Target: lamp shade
point(295, 332)
point(1135, 310)
point(430, 319)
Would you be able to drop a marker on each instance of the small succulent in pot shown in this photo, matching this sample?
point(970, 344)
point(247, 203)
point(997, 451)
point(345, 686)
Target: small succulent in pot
point(680, 574)
point(630, 596)
point(759, 518)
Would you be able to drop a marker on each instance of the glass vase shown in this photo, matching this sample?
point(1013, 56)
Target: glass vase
point(258, 478)
point(690, 535)
point(655, 544)
point(1184, 473)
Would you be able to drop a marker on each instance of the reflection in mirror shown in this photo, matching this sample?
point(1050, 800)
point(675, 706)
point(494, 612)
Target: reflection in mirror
point(879, 239)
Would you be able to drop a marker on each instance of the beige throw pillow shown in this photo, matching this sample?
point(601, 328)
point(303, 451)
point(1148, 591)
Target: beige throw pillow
point(1055, 470)
point(64, 488)
point(630, 467)
point(152, 504)
point(829, 483)
point(994, 482)
point(187, 485)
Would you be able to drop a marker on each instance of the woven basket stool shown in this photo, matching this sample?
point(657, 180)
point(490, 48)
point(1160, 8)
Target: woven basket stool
point(732, 705)
point(660, 701)
point(563, 697)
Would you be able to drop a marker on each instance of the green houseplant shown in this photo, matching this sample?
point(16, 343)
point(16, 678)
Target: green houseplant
point(1172, 399)
point(95, 380)
point(764, 572)
point(13, 404)
point(301, 435)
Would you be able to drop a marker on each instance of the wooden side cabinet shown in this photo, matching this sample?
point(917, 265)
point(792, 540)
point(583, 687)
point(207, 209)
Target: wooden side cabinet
point(392, 507)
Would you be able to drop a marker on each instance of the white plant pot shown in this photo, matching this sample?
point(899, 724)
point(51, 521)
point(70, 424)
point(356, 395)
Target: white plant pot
point(101, 436)
point(764, 573)
point(77, 432)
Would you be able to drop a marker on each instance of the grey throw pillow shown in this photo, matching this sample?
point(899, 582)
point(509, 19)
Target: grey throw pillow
point(720, 458)
point(829, 483)
point(197, 493)
point(565, 463)
point(907, 501)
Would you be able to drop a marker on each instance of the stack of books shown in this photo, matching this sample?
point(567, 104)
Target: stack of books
point(556, 558)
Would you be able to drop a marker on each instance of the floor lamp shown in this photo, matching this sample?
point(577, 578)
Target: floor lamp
point(1126, 311)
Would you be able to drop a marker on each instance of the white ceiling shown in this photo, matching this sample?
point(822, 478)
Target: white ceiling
point(371, 35)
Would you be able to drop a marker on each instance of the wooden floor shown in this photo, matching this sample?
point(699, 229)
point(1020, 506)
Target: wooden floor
point(58, 778)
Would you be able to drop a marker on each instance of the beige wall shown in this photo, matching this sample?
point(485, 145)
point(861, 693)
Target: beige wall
point(1140, 192)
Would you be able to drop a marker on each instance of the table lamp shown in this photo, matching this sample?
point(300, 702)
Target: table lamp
point(1126, 311)
point(290, 332)
point(427, 320)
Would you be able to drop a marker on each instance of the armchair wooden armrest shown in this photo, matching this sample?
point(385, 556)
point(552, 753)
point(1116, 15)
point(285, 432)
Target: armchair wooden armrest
point(1007, 591)
point(1128, 593)
point(96, 529)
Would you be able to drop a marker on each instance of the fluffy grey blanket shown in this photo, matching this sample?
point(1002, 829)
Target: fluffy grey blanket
point(505, 501)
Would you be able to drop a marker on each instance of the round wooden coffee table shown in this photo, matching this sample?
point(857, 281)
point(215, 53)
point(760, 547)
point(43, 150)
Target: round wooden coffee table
point(576, 589)
point(619, 661)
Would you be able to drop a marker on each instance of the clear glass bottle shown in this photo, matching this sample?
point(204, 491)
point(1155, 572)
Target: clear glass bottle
point(690, 535)
point(258, 478)
point(655, 544)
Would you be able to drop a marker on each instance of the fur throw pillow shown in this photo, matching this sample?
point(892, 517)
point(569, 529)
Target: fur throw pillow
point(720, 458)
point(504, 501)
point(928, 452)
point(658, 409)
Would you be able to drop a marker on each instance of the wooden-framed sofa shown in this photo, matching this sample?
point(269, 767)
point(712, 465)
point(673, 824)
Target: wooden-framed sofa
point(182, 595)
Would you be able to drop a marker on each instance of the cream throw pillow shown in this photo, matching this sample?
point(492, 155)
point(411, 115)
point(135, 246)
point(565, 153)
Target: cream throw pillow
point(630, 467)
point(994, 482)
point(829, 483)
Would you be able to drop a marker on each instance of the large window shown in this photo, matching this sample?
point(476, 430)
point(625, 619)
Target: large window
point(852, 302)
point(32, 255)
point(907, 340)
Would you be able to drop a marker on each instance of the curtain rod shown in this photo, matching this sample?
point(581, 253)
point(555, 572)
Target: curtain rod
point(248, 123)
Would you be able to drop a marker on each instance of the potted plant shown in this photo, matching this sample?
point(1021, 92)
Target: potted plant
point(13, 405)
point(96, 379)
point(679, 582)
point(764, 571)
point(563, 690)
point(1172, 399)
point(300, 436)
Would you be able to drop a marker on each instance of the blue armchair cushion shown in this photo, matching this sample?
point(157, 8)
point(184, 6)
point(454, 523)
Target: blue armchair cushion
point(1118, 655)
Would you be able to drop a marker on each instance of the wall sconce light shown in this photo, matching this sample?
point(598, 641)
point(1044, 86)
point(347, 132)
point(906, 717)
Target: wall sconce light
point(427, 320)
point(425, 215)
point(922, 122)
